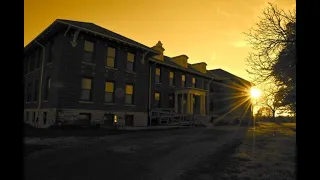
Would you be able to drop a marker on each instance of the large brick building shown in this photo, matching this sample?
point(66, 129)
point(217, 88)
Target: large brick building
point(82, 73)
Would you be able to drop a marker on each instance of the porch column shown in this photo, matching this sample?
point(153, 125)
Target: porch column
point(205, 105)
point(191, 103)
point(188, 104)
point(176, 102)
point(202, 104)
point(182, 98)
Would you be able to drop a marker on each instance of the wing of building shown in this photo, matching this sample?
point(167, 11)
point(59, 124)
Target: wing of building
point(83, 74)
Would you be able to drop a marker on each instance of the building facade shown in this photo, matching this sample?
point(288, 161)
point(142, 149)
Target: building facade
point(81, 73)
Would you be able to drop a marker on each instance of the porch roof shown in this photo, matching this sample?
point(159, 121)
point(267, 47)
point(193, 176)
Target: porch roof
point(190, 90)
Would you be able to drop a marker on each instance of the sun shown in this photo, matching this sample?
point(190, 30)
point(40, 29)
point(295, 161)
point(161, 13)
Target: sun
point(255, 93)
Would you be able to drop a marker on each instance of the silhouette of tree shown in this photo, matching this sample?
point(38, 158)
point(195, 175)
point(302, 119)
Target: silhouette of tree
point(284, 72)
point(273, 40)
point(264, 112)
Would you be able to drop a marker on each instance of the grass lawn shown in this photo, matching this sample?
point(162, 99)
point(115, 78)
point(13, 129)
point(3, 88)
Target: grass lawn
point(267, 153)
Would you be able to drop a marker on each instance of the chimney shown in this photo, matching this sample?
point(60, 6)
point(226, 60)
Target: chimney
point(201, 67)
point(181, 60)
point(158, 47)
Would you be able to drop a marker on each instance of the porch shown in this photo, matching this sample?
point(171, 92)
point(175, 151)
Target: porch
point(189, 107)
point(190, 101)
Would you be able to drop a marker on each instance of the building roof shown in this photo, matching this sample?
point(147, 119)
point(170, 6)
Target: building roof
point(167, 61)
point(95, 29)
point(98, 30)
point(220, 73)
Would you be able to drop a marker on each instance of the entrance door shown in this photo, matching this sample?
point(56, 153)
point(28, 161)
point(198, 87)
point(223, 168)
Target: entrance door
point(196, 104)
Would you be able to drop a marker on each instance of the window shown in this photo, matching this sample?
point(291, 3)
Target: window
point(109, 92)
point(36, 89)
point(88, 51)
point(50, 52)
point(48, 86)
point(84, 119)
point(44, 117)
point(111, 56)
point(171, 80)
point(130, 62)
point(33, 116)
point(129, 94)
point(183, 81)
point(158, 75)
point(38, 59)
point(171, 101)
point(193, 82)
point(29, 92)
point(157, 99)
point(86, 85)
point(128, 120)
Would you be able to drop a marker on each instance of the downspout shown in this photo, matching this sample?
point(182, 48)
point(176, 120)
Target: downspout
point(149, 96)
point(149, 109)
point(41, 76)
point(208, 98)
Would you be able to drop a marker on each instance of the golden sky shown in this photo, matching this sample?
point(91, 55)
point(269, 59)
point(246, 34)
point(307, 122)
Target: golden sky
point(205, 30)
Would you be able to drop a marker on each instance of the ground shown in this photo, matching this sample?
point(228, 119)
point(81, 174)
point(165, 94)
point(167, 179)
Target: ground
point(194, 153)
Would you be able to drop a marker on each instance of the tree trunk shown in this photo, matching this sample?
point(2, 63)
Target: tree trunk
point(274, 116)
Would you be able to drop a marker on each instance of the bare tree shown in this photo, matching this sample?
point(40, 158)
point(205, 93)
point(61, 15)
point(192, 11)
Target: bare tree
point(269, 98)
point(268, 38)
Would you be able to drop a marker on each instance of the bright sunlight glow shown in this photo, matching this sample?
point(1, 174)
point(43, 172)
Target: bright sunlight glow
point(255, 93)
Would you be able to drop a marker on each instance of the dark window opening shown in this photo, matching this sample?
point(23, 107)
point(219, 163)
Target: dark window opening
point(129, 94)
point(171, 101)
point(88, 51)
point(171, 79)
point(83, 120)
point(157, 99)
point(44, 117)
point(129, 120)
point(130, 61)
point(86, 86)
point(111, 57)
point(109, 92)
point(158, 75)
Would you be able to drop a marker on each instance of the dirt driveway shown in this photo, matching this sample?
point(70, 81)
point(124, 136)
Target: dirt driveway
point(159, 155)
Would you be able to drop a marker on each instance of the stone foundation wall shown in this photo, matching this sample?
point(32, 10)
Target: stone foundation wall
point(71, 115)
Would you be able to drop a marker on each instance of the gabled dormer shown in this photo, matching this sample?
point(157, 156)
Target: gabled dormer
point(201, 67)
point(158, 47)
point(181, 60)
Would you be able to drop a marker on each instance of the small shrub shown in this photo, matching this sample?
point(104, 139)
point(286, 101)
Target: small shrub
point(242, 157)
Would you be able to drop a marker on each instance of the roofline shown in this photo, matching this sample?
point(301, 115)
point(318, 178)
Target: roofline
point(50, 26)
point(199, 63)
point(186, 70)
point(232, 75)
point(110, 37)
point(180, 56)
point(85, 29)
